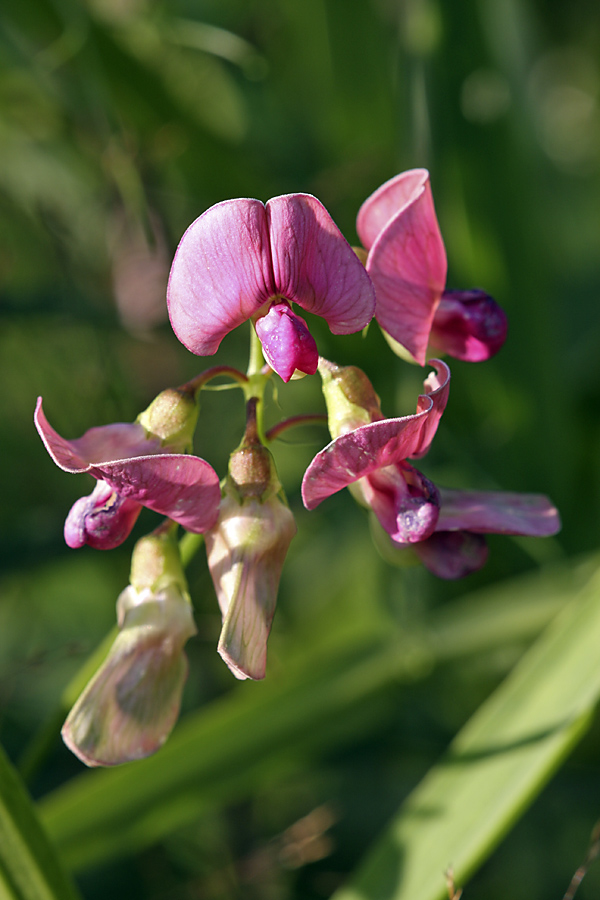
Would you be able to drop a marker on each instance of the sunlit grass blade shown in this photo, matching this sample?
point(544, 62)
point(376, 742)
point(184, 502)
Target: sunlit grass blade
point(495, 767)
point(29, 868)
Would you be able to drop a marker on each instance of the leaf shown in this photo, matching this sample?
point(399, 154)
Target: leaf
point(495, 766)
point(29, 868)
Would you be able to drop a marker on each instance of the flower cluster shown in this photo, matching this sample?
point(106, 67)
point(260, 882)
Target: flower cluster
point(241, 261)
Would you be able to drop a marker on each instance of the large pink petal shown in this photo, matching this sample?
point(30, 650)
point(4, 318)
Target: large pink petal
point(378, 444)
point(221, 274)
point(107, 442)
point(407, 264)
point(433, 402)
point(184, 488)
point(314, 265)
point(498, 512)
point(386, 201)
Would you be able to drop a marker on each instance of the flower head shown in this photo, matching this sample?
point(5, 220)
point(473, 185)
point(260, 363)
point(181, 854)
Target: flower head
point(406, 260)
point(128, 709)
point(369, 454)
point(246, 550)
point(243, 259)
point(137, 464)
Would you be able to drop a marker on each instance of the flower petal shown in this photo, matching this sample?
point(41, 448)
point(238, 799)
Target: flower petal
point(468, 325)
point(452, 554)
point(106, 442)
point(386, 201)
point(314, 265)
point(103, 520)
point(184, 488)
point(370, 447)
point(498, 512)
point(407, 264)
point(129, 708)
point(221, 274)
point(286, 341)
point(405, 502)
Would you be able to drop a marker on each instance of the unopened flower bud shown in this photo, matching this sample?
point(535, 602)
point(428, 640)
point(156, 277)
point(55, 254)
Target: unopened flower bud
point(128, 709)
point(350, 398)
point(468, 325)
point(172, 417)
point(246, 550)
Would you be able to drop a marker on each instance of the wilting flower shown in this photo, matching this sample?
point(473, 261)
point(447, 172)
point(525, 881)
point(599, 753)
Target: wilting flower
point(244, 260)
point(137, 464)
point(246, 550)
point(406, 260)
point(128, 709)
point(369, 454)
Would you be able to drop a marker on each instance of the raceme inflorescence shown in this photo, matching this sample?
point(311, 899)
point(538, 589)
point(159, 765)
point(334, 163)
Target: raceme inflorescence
point(245, 261)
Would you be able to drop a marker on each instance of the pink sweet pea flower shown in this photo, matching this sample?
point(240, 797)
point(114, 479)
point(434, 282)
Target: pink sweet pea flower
point(242, 259)
point(133, 470)
point(368, 454)
point(406, 260)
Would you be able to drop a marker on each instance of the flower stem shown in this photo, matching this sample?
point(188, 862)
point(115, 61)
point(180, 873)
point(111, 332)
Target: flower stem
point(196, 384)
point(277, 430)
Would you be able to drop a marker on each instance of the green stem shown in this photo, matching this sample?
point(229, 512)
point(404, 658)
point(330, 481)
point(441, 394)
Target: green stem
point(189, 545)
point(196, 384)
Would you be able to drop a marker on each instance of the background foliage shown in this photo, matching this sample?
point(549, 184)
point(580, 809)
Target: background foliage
point(120, 122)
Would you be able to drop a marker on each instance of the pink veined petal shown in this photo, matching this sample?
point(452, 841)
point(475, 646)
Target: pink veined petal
point(407, 264)
point(106, 442)
point(359, 452)
point(386, 201)
point(184, 488)
point(221, 274)
point(315, 267)
point(452, 554)
point(498, 512)
point(433, 402)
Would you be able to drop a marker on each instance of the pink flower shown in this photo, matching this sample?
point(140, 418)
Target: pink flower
point(133, 470)
point(244, 260)
point(406, 260)
point(369, 454)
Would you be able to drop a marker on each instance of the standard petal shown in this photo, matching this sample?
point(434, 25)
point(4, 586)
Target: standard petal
point(184, 488)
point(314, 265)
point(107, 442)
point(498, 512)
point(221, 274)
point(452, 554)
point(386, 201)
point(407, 264)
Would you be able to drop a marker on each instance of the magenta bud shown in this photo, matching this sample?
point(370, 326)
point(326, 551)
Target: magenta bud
point(468, 325)
point(287, 343)
point(103, 520)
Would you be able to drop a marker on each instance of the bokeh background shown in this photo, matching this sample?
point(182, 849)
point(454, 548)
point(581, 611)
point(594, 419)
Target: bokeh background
point(120, 122)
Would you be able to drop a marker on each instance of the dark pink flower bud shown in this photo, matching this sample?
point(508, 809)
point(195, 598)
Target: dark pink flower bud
point(468, 325)
point(287, 343)
point(102, 520)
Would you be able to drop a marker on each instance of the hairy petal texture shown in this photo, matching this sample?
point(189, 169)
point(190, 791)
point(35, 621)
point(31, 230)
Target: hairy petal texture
point(239, 254)
point(357, 453)
point(407, 259)
point(184, 488)
point(498, 512)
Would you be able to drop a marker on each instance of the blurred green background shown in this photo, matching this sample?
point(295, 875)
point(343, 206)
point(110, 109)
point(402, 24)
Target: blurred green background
point(120, 122)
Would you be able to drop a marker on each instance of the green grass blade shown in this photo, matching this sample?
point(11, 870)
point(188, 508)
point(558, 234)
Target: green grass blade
point(29, 868)
point(495, 767)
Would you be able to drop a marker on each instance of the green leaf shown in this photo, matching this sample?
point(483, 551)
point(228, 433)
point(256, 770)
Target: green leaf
point(495, 766)
point(29, 869)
